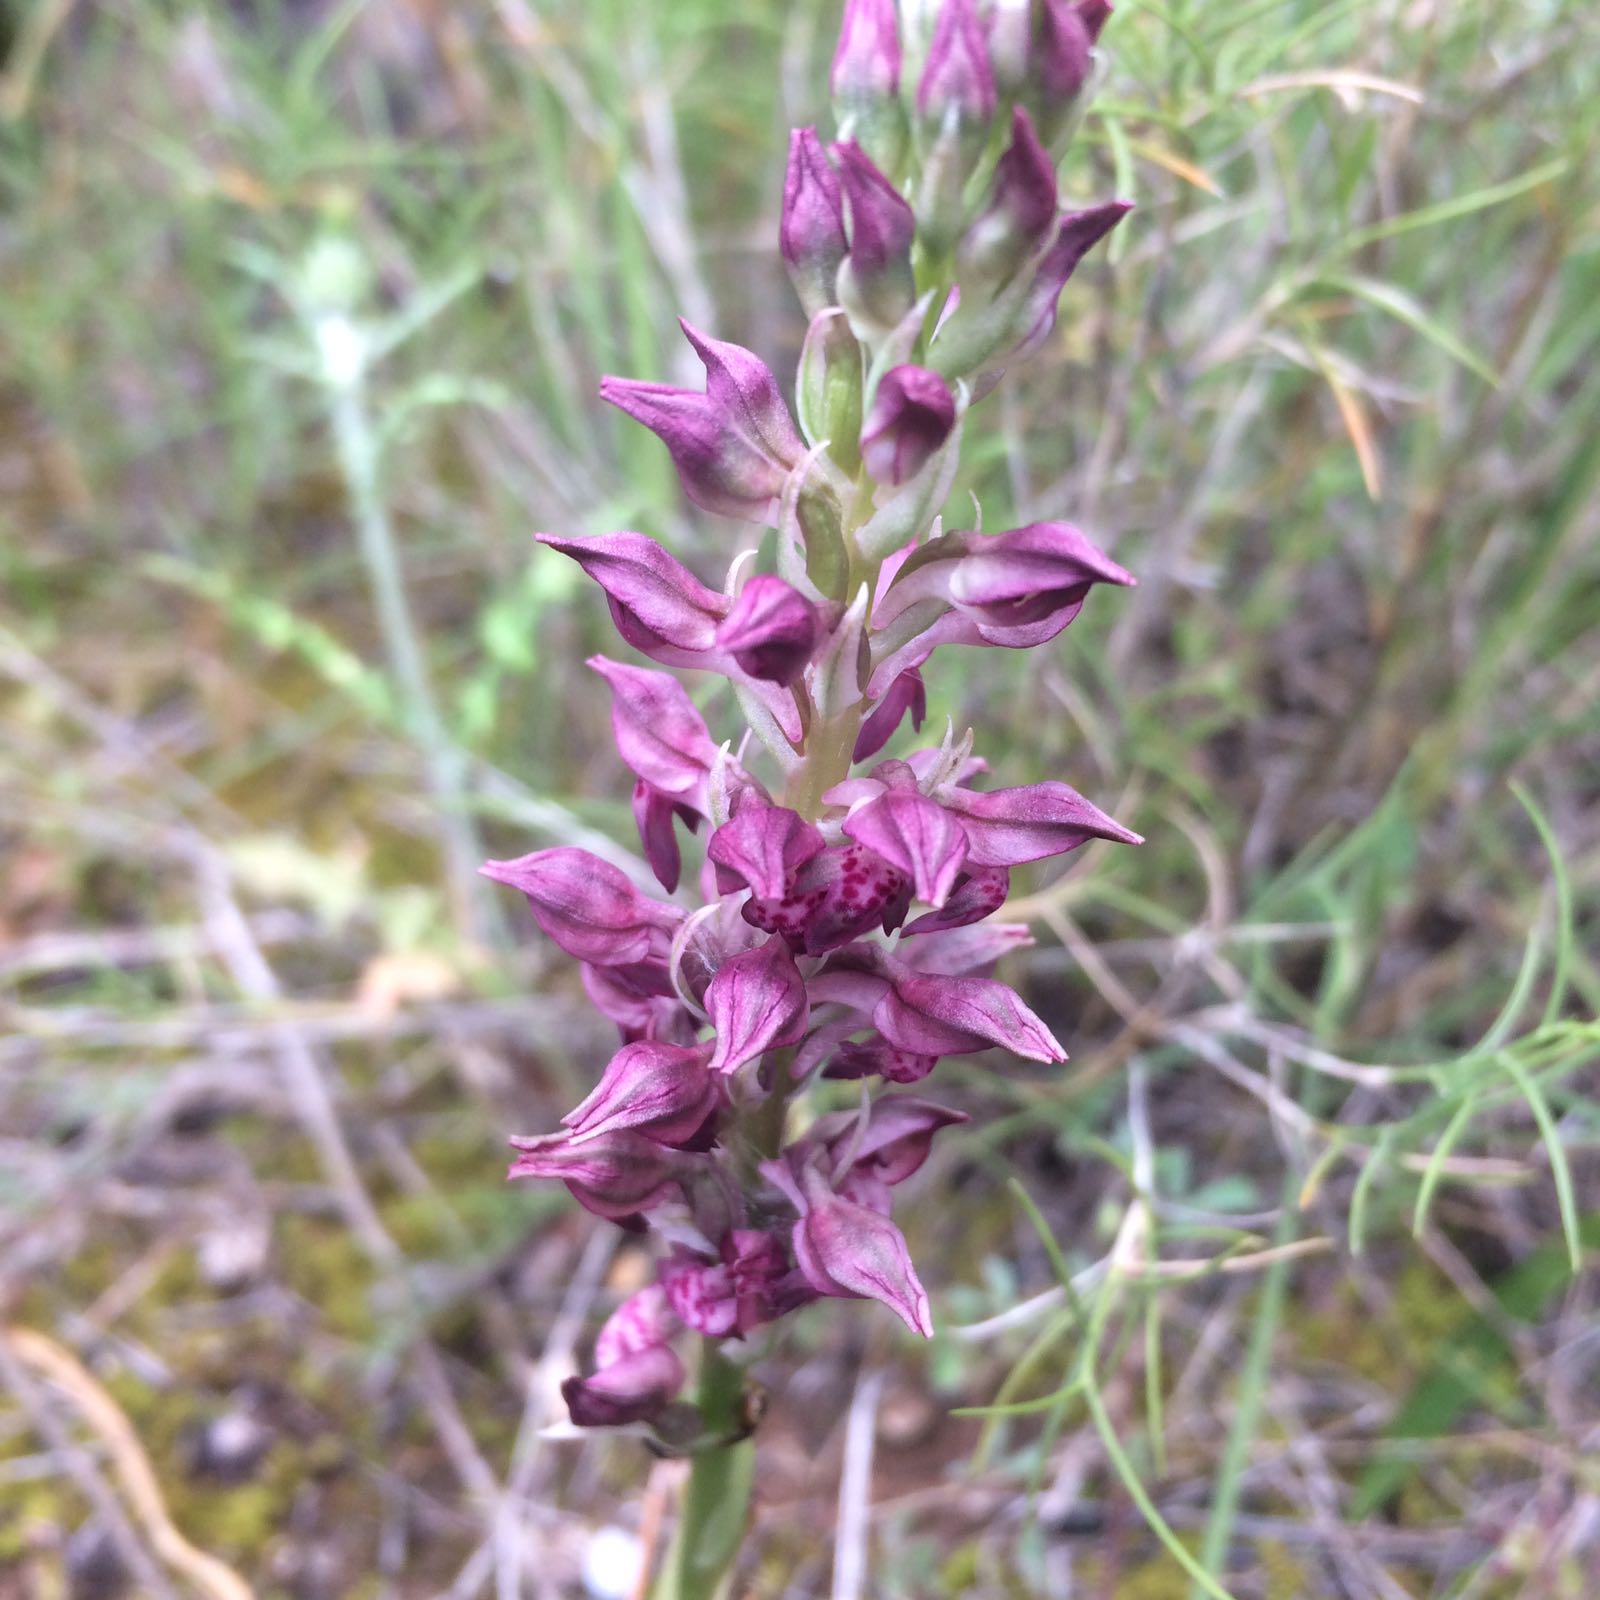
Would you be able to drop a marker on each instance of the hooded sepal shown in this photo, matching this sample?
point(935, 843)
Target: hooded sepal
point(757, 1002)
point(650, 1087)
point(587, 906)
point(616, 1176)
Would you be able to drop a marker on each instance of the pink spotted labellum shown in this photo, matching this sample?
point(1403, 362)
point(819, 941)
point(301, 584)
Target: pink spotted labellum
point(830, 875)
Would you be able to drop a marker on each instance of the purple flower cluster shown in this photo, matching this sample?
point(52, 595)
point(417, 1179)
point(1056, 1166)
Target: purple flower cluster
point(841, 927)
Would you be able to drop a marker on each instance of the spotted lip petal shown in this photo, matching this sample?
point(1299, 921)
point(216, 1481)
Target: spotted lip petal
point(915, 835)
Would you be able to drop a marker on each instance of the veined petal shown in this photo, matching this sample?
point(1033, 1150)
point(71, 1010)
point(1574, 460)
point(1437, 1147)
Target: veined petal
point(849, 1250)
point(930, 1014)
point(757, 1002)
point(1006, 827)
point(587, 906)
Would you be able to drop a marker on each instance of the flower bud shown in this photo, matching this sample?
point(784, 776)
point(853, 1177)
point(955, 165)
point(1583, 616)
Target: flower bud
point(771, 630)
point(829, 386)
point(1018, 215)
point(911, 417)
point(876, 285)
point(1060, 61)
point(811, 233)
point(1078, 234)
point(957, 84)
point(866, 79)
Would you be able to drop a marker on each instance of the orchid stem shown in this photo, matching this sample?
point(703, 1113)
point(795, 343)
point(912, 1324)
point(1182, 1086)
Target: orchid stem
point(716, 1499)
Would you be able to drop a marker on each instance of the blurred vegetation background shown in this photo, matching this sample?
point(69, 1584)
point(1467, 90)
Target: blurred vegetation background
point(302, 311)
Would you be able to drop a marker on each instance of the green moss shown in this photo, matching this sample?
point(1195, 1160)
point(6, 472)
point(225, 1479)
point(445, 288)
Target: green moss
point(326, 1266)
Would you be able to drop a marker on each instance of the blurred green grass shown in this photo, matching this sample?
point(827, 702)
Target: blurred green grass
point(1333, 398)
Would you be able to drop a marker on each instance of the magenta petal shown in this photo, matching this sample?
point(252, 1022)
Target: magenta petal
point(661, 1090)
point(660, 736)
point(643, 1320)
point(912, 414)
point(654, 814)
point(759, 847)
point(639, 1009)
point(1006, 827)
point(771, 631)
point(906, 693)
point(877, 1058)
point(974, 947)
point(659, 606)
point(1016, 581)
point(757, 1002)
point(917, 836)
point(839, 894)
point(633, 1389)
point(740, 385)
point(587, 906)
point(615, 1176)
point(896, 1140)
point(978, 893)
point(930, 1014)
point(846, 1249)
point(1078, 234)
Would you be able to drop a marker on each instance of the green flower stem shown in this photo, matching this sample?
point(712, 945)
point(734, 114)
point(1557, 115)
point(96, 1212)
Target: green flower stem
point(716, 1500)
